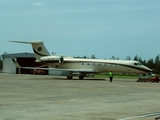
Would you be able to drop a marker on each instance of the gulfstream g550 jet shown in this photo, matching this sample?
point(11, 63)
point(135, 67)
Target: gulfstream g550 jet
point(83, 66)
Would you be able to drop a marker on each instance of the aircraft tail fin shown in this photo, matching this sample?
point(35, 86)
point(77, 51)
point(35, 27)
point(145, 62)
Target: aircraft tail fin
point(38, 48)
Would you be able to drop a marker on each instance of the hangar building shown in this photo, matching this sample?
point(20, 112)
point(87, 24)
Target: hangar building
point(25, 60)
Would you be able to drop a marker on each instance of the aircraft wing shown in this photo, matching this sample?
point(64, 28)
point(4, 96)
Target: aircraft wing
point(59, 69)
point(56, 69)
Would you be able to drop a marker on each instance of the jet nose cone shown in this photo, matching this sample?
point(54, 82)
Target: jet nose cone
point(148, 69)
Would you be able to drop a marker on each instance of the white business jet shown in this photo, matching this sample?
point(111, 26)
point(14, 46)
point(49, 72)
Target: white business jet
point(82, 66)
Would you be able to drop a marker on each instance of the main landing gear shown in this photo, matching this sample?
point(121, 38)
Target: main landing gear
point(81, 77)
point(70, 76)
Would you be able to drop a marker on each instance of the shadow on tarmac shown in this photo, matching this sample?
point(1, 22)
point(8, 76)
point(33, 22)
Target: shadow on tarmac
point(77, 79)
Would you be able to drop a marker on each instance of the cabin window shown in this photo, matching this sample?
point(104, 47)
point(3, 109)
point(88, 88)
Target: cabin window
point(82, 63)
point(112, 65)
point(105, 64)
point(88, 63)
point(99, 64)
point(117, 65)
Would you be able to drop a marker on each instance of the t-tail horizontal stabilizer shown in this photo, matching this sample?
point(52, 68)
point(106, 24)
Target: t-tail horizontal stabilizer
point(38, 47)
point(15, 63)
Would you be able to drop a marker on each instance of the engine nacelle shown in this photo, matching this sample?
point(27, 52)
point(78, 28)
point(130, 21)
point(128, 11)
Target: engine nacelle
point(59, 59)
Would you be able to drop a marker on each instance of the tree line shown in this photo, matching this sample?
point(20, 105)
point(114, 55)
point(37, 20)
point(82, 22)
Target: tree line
point(0, 64)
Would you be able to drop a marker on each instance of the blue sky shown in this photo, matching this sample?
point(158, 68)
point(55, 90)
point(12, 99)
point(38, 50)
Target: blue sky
point(105, 28)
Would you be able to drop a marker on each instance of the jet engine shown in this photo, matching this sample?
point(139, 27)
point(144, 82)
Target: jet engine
point(59, 59)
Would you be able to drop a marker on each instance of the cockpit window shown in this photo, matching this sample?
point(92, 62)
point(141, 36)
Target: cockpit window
point(135, 63)
point(138, 64)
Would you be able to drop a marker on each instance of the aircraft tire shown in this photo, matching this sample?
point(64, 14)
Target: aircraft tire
point(69, 77)
point(34, 73)
point(81, 77)
point(140, 80)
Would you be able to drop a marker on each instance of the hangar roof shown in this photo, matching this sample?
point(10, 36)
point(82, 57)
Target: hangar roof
point(18, 55)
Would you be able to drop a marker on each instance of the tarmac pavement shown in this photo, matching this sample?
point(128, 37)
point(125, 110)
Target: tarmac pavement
point(43, 97)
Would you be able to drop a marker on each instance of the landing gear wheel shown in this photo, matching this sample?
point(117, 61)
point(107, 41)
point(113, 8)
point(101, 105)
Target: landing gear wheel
point(69, 77)
point(140, 80)
point(81, 77)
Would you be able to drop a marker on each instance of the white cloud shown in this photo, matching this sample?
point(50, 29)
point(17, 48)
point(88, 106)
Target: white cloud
point(38, 4)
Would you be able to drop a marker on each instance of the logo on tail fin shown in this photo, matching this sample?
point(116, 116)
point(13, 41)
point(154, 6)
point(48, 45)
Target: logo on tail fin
point(39, 49)
point(38, 52)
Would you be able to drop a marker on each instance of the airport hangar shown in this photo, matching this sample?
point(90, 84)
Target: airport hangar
point(25, 60)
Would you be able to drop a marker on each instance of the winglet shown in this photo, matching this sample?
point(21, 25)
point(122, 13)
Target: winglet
point(15, 63)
